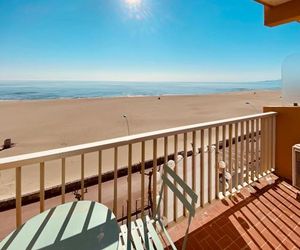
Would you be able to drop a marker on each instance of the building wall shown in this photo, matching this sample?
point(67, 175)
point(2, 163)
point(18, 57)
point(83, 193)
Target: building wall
point(287, 135)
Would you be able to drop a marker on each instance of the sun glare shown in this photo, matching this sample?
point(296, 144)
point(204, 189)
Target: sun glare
point(136, 9)
point(133, 2)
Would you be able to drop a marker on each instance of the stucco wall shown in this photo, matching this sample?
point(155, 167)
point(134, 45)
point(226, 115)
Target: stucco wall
point(287, 135)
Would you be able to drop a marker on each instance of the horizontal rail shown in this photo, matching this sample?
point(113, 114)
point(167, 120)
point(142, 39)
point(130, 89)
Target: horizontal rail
point(54, 154)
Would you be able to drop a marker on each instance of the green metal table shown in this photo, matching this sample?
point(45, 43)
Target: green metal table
point(76, 225)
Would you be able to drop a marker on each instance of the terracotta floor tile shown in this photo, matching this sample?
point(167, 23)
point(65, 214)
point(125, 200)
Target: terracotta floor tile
point(224, 242)
point(233, 246)
point(266, 247)
point(212, 243)
point(253, 246)
point(257, 236)
point(271, 238)
point(267, 219)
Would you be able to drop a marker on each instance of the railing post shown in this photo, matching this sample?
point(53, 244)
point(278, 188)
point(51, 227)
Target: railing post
point(176, 170)
point(273, 142)
point(184, 165)
point(100, 176)
point(143, 179)
point(115, 206)
point(129, 188)
point(247, 151)
point(154, 195)
point(165, 211)
point(18, 197)
point(217, 181)
point(252, 151)
point(224, 159)
point(82, 176)
point(63, 180)
point(263, 145)
point(194, 161)
point(242, 179)
point(202, 169)
point(236, 165)
point(257, 137)
point(230, 157)
point(42, 187)
point(270, 132)
point(209, 165)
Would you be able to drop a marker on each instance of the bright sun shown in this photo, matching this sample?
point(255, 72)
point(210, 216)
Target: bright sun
point(133, 2)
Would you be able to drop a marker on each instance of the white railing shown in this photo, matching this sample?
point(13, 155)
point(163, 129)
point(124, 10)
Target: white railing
point(246, 144)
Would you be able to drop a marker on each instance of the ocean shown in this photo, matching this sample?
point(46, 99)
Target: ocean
point(40, 90)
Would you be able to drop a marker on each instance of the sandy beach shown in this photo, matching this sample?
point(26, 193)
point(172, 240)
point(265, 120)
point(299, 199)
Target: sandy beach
point(42, 125)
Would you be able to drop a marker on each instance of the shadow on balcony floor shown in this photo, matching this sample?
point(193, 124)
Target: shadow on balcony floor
point(262, 216)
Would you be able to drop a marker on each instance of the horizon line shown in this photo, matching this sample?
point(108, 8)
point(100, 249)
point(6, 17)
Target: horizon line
point(133, 81)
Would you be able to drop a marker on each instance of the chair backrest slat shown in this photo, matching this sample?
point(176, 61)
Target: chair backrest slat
point(189, 206)
point(178, 180)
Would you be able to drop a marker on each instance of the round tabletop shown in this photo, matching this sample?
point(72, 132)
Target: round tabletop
point(74, 225)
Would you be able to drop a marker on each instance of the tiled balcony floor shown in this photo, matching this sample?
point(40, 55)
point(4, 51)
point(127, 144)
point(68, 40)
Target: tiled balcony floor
point(266, 216)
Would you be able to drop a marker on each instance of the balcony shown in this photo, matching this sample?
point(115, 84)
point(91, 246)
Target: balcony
point(240, 205)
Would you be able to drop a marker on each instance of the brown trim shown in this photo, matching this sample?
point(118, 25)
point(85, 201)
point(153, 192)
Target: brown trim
point(283, 13)
point(264, 3)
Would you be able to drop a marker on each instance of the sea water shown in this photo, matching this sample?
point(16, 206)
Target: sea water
point(35, 90)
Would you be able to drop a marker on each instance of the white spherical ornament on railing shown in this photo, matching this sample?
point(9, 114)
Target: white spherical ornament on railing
point(228, 176)
point(222, 165)
point(179, 158)
point(171, 164)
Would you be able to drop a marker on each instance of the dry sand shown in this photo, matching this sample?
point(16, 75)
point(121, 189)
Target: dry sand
point(42, 125)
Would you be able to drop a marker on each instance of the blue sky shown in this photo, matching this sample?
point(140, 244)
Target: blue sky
point(141, 40)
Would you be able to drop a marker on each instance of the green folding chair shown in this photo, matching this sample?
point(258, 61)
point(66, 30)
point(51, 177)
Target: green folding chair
point(144, 234)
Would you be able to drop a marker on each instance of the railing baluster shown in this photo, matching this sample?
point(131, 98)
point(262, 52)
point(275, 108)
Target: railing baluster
point(262, 146)
point(252, 150)
point(154, 176)
point(202, 169)
point(224, 158)
point(209, 165)
point(18, 196)
point(82, 177)
point(217, 164)
point(129, 188)
point(270, 128)
point(42, 187)
point(224, 143)
point(176, 171)
point(63, 180)
point(230, 157)
point(166, 188)
point(247, 151)
point(184, 165)
point(267, 144)
point(100, 176)
point(257, 148)
point(143, 179)
point(236, 160)
point(194, 161)
point(194, 153)
point(273, 141)
point(242, 179)
point(115, 206)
